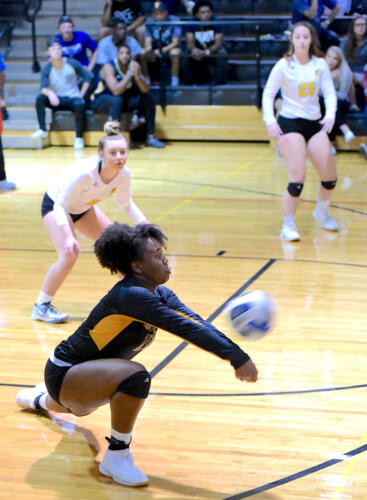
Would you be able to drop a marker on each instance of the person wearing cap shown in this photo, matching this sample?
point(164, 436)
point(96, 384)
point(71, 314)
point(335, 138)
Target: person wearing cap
point(163, 42)
point(60, 90)
point(205, 47)
point(76, 44)
point(5, 185)
point(129, 12)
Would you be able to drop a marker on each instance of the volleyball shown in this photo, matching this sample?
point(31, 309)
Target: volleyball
point(253, 314)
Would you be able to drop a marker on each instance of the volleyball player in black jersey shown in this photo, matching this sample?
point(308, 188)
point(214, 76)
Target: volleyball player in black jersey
point(93, 366)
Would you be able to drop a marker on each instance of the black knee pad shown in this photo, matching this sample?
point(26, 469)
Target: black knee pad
point(137, 385)
point(295, 188)
point(329, 184)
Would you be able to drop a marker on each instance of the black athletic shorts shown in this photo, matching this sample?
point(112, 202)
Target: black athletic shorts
point(48, 206)
point(307, 128)
point(54, 377)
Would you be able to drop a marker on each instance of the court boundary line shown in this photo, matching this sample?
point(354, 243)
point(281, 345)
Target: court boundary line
point(215, 256)
point(219, 309)
point(298, 475)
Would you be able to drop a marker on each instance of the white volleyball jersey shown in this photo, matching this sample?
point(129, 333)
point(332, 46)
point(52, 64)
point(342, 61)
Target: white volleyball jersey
point(79, 189)
point(301, 85)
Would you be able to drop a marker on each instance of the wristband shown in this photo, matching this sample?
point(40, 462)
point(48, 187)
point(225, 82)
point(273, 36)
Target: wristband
point(129, 72)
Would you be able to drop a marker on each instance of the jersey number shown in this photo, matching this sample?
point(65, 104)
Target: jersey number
point(306, 90)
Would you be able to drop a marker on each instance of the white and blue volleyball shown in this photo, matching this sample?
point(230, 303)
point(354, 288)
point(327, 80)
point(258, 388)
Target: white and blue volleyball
point(253, 314)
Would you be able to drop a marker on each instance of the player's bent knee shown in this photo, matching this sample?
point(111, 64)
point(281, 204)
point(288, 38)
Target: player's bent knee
point(295, 188)
point(329, 184)
point(137, 385)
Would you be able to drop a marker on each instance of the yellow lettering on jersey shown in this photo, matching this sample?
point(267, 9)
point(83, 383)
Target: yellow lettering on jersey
point(107, 329)
point(93, 202)
point(307, 90)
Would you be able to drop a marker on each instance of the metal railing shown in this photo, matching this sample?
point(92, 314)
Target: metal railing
point(237, 22)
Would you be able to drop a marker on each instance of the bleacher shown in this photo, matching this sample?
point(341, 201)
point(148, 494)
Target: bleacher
point(254, 40)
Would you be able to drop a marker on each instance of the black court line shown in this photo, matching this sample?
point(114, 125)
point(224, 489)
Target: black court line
point(246, 190)
point(216, 313)
point(298, 475)
point(230, 394)
point(246, 394)
point(211, 256)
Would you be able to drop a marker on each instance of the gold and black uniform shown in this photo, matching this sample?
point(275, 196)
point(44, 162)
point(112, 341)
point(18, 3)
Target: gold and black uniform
point(125, 321)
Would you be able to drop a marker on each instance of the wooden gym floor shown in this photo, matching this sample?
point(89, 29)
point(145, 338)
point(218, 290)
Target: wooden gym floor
point(300, 432)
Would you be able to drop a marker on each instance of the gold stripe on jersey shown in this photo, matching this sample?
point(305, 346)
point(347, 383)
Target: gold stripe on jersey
point(107, 329)
point(187, 316)
point(93, 202)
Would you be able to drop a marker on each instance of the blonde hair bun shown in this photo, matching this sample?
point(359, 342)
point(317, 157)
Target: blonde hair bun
point(112, 128)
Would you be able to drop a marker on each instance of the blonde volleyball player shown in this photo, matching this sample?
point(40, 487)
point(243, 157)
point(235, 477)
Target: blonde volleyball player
point(302, 74)
point(70, 203)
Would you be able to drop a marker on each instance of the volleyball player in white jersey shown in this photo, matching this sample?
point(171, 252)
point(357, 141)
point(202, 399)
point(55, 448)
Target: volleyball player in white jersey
point(302, 74)
point(70, 203)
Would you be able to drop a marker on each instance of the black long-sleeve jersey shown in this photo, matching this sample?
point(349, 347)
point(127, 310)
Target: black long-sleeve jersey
point(125, 321)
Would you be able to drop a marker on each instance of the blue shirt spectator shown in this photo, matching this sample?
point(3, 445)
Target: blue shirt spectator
point(76, 43)
point(311, 11)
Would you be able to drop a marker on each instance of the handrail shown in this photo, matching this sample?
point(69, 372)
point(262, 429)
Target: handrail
point(238, 22)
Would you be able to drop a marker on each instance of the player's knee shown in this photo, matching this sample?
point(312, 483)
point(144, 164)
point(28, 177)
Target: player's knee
point(136, 385)
point(329, 184)
point(295, 188)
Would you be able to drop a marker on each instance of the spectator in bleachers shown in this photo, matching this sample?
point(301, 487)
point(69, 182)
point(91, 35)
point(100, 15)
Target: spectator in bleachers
point(163, 43)
point(123, 88)
point(312, 11)
point(129, 12)
point(354, 46)
point(60, 90)
point(107, 47)
point(205, 46)
point(76, 44)
point(5, 185)
point(342, 78)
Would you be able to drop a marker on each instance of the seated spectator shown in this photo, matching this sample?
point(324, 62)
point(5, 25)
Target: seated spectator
point(354, 46)
point(123, 88)
point(76, 43)
point(60, 90)
point(205, 46)
point(342, 78)
point(312, 10)
point(107, 47)
point(129, 12)
point(163, 42)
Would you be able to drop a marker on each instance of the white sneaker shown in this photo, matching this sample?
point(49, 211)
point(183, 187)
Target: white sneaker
point(289, 232)
point(39, 134)
point(47, 312)
point(119, 464)
point(326, 220)
point(349, 136)
point(29, 398)
point(78, 143)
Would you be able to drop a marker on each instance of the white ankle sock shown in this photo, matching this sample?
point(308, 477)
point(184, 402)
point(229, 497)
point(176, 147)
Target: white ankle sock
point(289, 219)
point(121, 436)
point(323, 205)
point(42, 401)
point(43, 298)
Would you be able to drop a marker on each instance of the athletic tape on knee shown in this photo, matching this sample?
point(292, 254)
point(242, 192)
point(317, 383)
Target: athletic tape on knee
point(329, 184)
point(137, 385)
point(295, 188)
